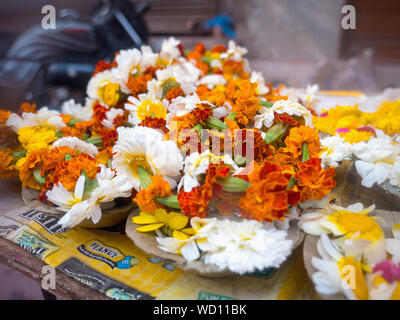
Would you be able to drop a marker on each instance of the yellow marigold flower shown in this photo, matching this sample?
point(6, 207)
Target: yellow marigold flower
point(109, 93)
point(172, 224)
point(387, 117)
point(355, 136)
point(339, 117)
point(35, 138)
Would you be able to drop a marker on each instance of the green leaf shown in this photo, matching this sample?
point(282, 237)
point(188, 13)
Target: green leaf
point(206, 60)
point(306, 156)
point(167, 85)
point(233, 184)
point(231, 116)
point(18, 155)
point(144, 177)
point(171, 202)
point(291, 183)
point(73, 122)
point(67, 157)
point(38, 177)
point(59, 135)
point(96, 140)
point(265, 104)
point(214, 123)
point(90, 185)
point(239, 160)
point(275, 133)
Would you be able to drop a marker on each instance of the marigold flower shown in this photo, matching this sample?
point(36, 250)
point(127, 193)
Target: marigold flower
point(303, 134)
point(268, 198)
point(138, 84)
point(155, 123)
point(174, 93)
point(26, 107)
point(313, 181)
point(4, 114)
point(158, 188)
point(195, 203)
point(7, 169)
point(68, 172)
point(32, 162)
point(101, 66)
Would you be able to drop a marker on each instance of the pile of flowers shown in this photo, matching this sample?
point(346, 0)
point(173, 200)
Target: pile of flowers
point(355, 257)
point(369, 136)
point(214, 157)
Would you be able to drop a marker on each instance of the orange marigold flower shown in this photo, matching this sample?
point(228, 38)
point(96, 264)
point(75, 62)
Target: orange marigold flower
point(101, 66)
point(103, 156)
point(274, 94)
point(195, 203)
point(7, 169)
point(234, 68)
point(158, 188)
point(313, 181)
point(26, 107)
point(138, 84)
point(303, 134)
point(219, 48)
point(155, 123)
point(246, 111)
point(55, 157)
point(267, 198)
point(174, 93)
point(4, 115)
point(66, 118)
point(69, 171)
point(33, 161)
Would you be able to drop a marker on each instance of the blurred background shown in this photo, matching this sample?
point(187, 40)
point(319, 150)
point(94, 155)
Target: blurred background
point(290, 41)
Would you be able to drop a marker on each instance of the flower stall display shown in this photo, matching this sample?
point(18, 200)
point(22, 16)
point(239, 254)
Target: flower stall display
point(214, 165)
point(352, 251)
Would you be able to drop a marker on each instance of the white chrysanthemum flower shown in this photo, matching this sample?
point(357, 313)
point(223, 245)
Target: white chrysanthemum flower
point(377, 158)
point(394, 176)
point(186, 74)
point(145, 106)
point(145, 147)
point(234, 52)
point(349, 222)
point(310, 97)
point(149, 58)
point(187, 248)
point(212, 80)
point(104, 86)
point(127, 63)
point(333, 264)
point(44, 118)
point(110, 117)
point(334, 150)
point(77, 111)
point(183, 105)
point(77, 145)
point(223, 111)
point(78, 209)
point(169, 50)
point(258, 78)
point(291, 107)
point(245, 246)
point(197, 164)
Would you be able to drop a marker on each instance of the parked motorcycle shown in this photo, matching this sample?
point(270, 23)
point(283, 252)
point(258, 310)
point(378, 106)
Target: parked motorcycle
point(49, 66)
